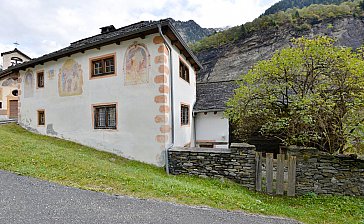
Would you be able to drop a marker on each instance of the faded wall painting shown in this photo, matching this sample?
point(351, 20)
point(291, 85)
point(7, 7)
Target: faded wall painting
point(9, 82)
point(137, 63)
point(28, 84)
point(51, 74)
point(70, 79)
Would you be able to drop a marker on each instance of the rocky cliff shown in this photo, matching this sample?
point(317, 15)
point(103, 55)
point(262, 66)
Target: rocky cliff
point(228, 62)
point(191, 32)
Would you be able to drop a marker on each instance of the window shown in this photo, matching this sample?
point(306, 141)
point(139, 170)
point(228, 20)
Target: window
point(15, 92)
point(41, 117)
point(105, 117)
point(184, 72)
point(185, 115)
point(40, 79)
point(1, 105)
point(103, 66)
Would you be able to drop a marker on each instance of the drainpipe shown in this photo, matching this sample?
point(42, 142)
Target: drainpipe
point(171, 99)
point(194, 125)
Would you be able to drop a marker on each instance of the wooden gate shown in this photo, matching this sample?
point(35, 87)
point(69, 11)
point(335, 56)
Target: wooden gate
point(13, 109)
point(275, 176)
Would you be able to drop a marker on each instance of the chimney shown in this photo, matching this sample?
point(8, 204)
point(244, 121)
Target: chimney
point(107, 29)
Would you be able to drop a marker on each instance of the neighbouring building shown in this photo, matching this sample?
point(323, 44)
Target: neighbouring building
point(212, 127)
point(130, 91)
point(9, 84)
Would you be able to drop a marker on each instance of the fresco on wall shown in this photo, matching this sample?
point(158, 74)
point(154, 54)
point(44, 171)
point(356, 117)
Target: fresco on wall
point(9, 82)
point(28, 84)
point(51, 74)
point(136, 65)
point(70, 79)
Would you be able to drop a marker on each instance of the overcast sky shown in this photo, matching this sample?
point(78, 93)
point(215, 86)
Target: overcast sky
point(43, 26)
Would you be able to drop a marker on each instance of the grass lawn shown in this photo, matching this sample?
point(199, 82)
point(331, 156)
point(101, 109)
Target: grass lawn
point(71, 164)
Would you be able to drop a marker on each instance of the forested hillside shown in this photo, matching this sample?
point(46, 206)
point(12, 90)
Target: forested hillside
point(290, 4)
point(293, 19)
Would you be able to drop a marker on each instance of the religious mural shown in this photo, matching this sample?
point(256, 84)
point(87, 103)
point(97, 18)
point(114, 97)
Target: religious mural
point(51, 74)
point(137, 63)
point(70, 79)
point(28, 84)
point(9, 82)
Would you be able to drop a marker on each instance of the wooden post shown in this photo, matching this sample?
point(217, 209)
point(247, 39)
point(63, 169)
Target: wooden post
point(269, 173)
point(280, 174)
point(258, 171)
point(291, 176)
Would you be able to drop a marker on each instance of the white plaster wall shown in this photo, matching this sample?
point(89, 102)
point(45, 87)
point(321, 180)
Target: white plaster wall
point(212, 127)
point(71, 117)
point(184, 93)
point(7, 59)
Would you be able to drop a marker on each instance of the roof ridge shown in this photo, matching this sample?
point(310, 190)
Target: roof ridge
point(118, 29)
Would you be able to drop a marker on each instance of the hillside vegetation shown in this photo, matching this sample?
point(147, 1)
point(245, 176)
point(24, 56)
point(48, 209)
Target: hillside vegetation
point(297, 19)
point(290, 4)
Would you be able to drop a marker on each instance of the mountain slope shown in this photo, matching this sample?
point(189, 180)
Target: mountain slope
point(190, 31)
point(229, 61)
point(290, 4)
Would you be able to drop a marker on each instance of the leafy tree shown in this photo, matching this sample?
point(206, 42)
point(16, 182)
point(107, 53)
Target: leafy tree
point(361, 5)
point(309, 94)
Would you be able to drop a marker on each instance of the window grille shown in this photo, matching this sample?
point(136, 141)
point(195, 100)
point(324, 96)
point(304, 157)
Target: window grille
point(105, 117)
point(185, 115)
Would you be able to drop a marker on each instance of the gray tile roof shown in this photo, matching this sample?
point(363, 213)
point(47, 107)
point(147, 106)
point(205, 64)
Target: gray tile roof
point(212, 96)
point(128, 32)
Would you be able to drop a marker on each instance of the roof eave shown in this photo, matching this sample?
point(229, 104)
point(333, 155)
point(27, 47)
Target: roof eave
point(209, 110)
point(116, 39)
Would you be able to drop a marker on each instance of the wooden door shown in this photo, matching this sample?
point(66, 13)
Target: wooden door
point(13, 109)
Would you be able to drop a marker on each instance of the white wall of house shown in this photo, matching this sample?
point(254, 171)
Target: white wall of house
point(138, 136)
point(184, 93)
point(212, 127)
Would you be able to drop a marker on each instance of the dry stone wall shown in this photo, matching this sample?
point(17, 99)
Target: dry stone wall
point(316, 171)
point(323, 173)
point(236, 163)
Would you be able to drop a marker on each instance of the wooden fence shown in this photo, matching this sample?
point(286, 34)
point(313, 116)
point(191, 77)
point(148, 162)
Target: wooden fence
point(278, 180)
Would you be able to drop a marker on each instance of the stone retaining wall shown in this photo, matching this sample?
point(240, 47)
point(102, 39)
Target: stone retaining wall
point(323, 173)
point(316, 171)
point(236, 163)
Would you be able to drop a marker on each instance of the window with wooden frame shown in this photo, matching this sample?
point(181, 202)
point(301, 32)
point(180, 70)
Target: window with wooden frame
point(185, 114)
point(41, 117)
point(40, 79)
point(184, 72)
point(105, 116)
point(102, 66)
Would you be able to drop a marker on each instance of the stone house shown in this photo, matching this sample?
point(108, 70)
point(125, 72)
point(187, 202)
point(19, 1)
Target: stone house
point(129, 91)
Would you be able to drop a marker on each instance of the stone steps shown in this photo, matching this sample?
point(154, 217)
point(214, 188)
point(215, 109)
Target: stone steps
point(8, 121)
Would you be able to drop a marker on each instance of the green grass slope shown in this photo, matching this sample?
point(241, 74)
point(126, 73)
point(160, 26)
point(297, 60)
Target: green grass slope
point(71, 164)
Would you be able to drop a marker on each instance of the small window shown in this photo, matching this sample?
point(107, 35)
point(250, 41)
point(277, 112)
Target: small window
point(184, 72)
point(15, 92)
point(1, 105)
point(185, 115)
point(41, 117)
point(105, 117)
point(40, 79)
point(103, 66)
